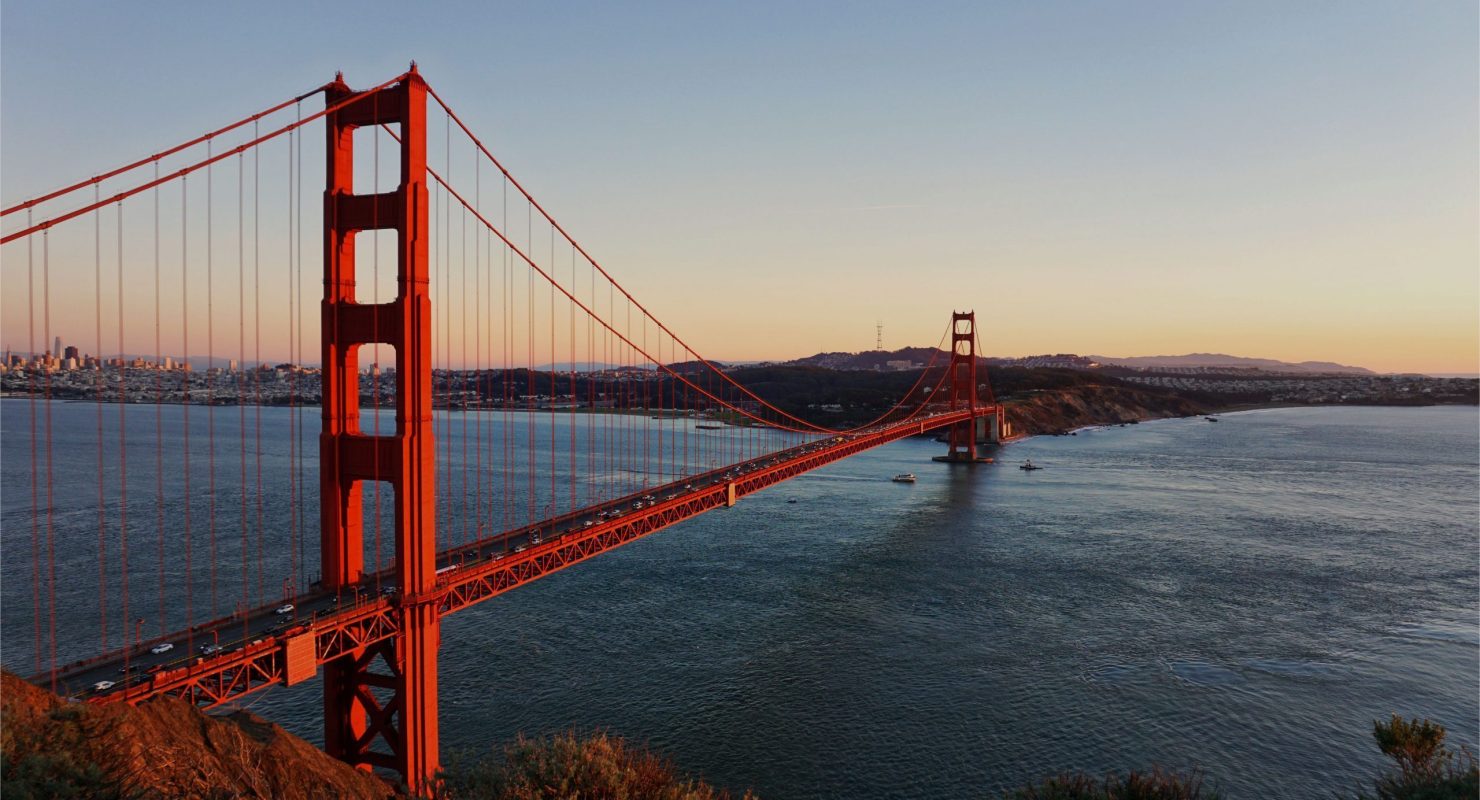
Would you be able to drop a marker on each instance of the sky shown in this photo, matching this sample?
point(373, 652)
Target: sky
point(1296, 181)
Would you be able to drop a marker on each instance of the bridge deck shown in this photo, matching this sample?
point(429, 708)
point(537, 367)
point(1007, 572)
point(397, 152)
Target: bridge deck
point(244, 653)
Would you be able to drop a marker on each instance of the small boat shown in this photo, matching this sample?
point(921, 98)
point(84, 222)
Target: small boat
point(904, 477)
point(791, 500)
point(1029, 465)
point(1211, 419)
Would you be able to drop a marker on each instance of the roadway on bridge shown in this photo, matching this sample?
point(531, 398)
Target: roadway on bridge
point(114, 672)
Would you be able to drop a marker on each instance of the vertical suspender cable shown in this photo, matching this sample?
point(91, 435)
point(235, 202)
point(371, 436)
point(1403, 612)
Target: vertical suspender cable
point(185, 403)
point(529, 381)
point(478, 357)
point(36, 636)
point(257, 354)
point(240, 380)
point(591, 395)
point(158, 414)
point(554, 390)
point(293, 300)
point(645, 425)
point(302, 426)
point(98, 402)
point(51, 556)
point(506, 323)
point(122, 444)
point(574, 394)
point(460, 374)
point(210, 364)
point(444, 485)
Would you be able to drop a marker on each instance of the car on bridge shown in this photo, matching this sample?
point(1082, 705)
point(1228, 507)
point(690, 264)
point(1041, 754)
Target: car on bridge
point(162, 648)
point(285, 608)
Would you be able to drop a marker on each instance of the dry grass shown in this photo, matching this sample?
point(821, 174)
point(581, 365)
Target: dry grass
point(570, 767)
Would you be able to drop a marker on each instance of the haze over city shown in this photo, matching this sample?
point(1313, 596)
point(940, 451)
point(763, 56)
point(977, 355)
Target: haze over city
point(1297, 183)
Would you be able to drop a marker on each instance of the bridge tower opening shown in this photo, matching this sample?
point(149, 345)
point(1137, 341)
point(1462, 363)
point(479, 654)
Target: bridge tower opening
point(963, 439)
point(380, 701)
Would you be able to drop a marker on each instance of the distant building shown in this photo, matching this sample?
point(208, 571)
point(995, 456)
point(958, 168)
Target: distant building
point(71, 352)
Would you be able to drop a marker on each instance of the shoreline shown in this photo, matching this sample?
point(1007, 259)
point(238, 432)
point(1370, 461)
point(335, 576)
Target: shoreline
point(1233, 409)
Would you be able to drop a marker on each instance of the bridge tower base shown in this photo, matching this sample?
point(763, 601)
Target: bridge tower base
point(380, 702)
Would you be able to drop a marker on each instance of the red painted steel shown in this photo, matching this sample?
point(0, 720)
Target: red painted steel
point(379, 652)
point(355, 718)
point(962, 437)
point(113, 173)
point(177, 174)
point(473, 584)
point(353, 630)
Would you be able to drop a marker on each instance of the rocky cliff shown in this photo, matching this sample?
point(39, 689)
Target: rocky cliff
point(163, 748)
point(1049, 411)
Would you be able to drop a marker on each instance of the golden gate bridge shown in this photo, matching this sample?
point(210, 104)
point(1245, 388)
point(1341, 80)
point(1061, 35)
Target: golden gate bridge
point(421, 514)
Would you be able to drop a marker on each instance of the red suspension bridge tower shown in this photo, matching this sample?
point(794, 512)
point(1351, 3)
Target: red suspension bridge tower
point(981, 427)
point(384, 693)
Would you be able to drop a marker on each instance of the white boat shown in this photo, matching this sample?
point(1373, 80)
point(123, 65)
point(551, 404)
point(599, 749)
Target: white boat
point(904, 477)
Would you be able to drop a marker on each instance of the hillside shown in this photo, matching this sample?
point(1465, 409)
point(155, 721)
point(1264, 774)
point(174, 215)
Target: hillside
point(1048, 411)
point(1221, 361)
point(162, 748)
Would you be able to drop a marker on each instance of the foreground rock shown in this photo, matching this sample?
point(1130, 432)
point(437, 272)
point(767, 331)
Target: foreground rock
point(162, 748)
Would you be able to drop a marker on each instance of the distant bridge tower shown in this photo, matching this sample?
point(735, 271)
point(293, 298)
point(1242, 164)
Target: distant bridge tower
point(962, 389)
point(879, 335)
point(380, 701)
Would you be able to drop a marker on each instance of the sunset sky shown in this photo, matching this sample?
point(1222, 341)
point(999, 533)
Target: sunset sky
point(1283, 180)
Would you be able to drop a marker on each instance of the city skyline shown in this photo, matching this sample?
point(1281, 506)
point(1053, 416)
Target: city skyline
point(1296, 184)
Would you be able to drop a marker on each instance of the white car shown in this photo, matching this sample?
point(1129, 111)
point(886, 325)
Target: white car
point(211, 649)
point(285, 608)
point(102, 686)
point(161, 648)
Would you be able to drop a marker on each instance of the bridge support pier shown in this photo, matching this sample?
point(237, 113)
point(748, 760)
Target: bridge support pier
point(380, 702)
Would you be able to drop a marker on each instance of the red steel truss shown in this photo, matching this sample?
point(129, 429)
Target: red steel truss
point(354, 629)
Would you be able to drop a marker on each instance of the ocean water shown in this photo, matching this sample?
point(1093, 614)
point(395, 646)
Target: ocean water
point(1242, 597)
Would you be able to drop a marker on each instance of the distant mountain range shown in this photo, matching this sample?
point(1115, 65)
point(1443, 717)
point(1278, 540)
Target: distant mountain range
point(1216, 360)
point(880, 360)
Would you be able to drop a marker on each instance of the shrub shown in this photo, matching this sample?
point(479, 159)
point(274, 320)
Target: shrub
point(1427, 770)
point(598, 767)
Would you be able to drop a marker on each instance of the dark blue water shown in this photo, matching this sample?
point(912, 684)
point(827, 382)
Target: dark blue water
point(1244, 597)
